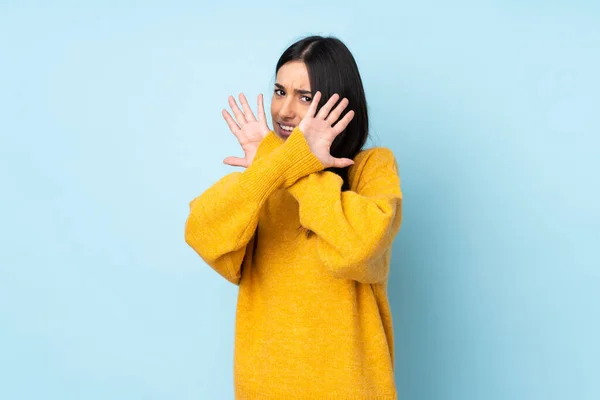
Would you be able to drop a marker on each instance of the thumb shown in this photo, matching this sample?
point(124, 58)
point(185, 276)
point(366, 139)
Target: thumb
point(235, 162)
point(342, 162)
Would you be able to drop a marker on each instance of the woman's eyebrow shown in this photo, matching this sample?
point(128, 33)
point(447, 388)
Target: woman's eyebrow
point(299, 91)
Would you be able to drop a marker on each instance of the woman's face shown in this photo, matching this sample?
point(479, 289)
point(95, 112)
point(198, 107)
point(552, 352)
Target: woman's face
point(291, 97)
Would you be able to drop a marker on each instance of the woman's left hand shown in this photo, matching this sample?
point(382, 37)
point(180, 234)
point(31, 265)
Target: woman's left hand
point(320, 132)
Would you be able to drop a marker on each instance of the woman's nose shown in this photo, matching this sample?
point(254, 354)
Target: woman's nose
point(287, 110)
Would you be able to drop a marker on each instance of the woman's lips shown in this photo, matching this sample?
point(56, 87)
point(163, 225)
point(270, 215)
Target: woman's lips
point(282, 132)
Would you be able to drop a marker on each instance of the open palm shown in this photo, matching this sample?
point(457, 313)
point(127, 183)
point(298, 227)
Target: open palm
point(320, 132)
point(248, 130)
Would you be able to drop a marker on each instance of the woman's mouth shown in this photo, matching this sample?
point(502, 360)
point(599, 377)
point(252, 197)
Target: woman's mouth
point(284, 130)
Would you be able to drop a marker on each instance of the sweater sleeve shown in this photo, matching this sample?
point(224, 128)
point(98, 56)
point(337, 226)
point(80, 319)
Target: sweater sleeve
point(223, 219)
point(267, 145)
point(354, 229)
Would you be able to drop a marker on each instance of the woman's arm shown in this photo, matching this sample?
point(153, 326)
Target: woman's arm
point(222, 220)
point(354, 229)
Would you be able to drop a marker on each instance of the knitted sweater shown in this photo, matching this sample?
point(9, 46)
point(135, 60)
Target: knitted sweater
point(313, 319)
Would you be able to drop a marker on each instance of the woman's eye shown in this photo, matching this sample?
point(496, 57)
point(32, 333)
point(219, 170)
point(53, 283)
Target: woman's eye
point(308, 99)
point(279, 92)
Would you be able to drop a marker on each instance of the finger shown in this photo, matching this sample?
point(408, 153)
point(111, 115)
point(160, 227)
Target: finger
point(247, 110)
point(235, 162)
point(233, 126)
point(335, 114)
point(261, 109)
point(343, 123)
point(312, 109)
point(239, 115)
point(324, 111)
point(342, 162)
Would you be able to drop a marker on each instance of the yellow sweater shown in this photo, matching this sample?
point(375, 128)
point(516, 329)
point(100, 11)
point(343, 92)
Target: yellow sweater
point(313, 319)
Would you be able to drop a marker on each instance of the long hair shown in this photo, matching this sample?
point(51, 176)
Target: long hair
point(332, 69)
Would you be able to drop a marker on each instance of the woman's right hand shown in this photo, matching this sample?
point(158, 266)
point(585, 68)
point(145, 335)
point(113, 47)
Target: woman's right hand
point(248, 130)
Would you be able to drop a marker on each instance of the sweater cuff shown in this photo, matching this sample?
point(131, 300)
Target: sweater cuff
point(282, 168)
point(267, 145)
point(305, 162)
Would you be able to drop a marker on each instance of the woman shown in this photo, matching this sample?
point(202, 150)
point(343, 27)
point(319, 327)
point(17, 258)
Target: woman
point(306, 232)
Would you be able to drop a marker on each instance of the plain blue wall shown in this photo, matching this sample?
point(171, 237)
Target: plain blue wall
point(110, 124)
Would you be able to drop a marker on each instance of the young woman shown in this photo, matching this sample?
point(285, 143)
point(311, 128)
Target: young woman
point(306, 231)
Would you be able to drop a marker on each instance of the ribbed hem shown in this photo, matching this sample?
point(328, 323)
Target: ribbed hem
point(247, 394)
point(303, 161)
point(282, 168)
point(268, 144)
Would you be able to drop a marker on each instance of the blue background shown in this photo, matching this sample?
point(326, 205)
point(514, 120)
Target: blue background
point(110, 124)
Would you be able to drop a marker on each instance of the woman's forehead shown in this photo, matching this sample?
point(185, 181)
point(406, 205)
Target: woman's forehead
point(293, 75)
